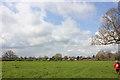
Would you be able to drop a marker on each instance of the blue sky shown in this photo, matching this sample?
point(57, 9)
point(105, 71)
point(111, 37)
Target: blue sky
point(43, 29)
point(90, 24)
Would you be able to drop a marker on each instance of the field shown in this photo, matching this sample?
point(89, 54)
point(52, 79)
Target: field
point(58, 69)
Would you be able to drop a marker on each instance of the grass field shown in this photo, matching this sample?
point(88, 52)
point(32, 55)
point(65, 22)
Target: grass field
point(58, 69)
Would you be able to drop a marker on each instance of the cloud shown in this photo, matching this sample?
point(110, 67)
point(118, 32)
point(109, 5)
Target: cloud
point(25, 30)
point(77, 10)
point(60, 1)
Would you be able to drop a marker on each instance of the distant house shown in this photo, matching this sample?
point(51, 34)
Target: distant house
point(72, 59)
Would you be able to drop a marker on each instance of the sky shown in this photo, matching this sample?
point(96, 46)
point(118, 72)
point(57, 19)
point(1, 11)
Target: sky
point(46, 28)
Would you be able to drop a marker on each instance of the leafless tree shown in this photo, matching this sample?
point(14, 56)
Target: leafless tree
point(9, 55)
point(57, 57)
point(109, 32)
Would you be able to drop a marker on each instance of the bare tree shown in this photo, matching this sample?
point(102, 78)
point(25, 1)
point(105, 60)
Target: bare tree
point(105, 55)
point(9, 55)
point(65, 57)
point(109, 32)
point(57, 57)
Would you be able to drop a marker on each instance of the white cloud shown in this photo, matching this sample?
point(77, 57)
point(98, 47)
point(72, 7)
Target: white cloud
point(28, 33)
point(60, 1)
point(77, 10)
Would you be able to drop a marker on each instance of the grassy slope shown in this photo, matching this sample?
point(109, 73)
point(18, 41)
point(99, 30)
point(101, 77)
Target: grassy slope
point(64, 69)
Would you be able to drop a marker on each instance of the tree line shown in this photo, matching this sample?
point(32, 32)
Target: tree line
point(10, 55)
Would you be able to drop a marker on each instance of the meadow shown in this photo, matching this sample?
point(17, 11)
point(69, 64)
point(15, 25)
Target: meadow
point(58, 69)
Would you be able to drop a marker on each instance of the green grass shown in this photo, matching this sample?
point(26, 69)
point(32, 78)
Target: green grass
point(58, 69)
